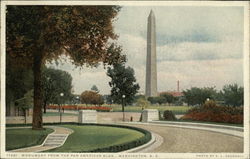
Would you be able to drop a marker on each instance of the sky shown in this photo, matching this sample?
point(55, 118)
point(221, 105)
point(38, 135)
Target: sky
point(199, 46)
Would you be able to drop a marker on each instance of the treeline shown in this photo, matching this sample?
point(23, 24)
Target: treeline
point(230, 95)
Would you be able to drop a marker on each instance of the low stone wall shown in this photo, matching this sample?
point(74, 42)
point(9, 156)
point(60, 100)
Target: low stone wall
point(102, 117)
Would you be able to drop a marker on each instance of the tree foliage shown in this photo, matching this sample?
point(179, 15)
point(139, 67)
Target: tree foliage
point(18, 82)
point(81, 32)
point(39, 34)
point(94, 88)
point(142, 102)
point(198, 96)
point(123, 82)
point(157, 100)
point(233, 95)
point(91, 97)
point(169, 98)
point(25, 102)
point(54, 82)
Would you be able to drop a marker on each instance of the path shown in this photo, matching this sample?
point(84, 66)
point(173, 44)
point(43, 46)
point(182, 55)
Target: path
point(186, 140)
point(178, 138)
point(53, 140)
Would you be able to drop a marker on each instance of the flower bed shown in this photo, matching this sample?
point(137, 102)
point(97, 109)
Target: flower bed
point(213, 113)
point(74, 107)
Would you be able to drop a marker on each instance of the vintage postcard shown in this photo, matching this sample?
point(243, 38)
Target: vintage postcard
point(125, 79)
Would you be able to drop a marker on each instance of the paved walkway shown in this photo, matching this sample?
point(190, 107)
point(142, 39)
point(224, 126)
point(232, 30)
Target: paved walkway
point(229, 130)
point(179, 139)
point(176, 137)
point(53, 140)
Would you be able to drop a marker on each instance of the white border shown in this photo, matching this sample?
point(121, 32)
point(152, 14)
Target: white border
point(246, 73)
point(246, 66)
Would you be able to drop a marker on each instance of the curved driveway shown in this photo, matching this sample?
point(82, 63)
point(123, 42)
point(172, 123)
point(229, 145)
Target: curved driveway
point(182, 140)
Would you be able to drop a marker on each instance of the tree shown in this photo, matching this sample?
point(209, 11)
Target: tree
point(160, 100)
point(25, 103)
point(142, 102)
point(152, 100)
point(94, 88)
point(157, 100)
point(55, 82)
point(169, 98)
point(18, 82)
point(108, 99)
point(39, 34)
point(233, 95)
point(198, 96)
point(123, 82)
point(91, 97)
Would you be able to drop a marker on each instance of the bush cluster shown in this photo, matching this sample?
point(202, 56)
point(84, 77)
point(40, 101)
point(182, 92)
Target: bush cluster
point(168, 115)
point(212, 112)
point(74, 107)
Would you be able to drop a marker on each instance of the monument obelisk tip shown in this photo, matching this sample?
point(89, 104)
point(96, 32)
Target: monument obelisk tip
point(151, 13)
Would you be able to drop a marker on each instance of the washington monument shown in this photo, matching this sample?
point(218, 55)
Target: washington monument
point(151, 72)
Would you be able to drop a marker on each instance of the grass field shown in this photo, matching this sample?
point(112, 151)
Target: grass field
point(25, 137)
point(86, 138)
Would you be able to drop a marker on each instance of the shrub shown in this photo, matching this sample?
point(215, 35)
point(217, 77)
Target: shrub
point(74, 107)
point(212, 112)
point(168, 115)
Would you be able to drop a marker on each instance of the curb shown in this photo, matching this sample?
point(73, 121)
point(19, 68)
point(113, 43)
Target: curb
point(146, 145)
point(221, 130)
point(200, 124)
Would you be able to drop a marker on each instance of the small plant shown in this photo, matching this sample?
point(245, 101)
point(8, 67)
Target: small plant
point(169, 115)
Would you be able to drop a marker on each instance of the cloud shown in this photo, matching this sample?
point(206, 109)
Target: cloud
point(199, 46)
point(206, 73)
point(135, 49)
point(182, 24)
point(200, 51)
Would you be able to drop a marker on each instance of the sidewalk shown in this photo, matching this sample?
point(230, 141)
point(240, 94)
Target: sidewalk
point(53, 140)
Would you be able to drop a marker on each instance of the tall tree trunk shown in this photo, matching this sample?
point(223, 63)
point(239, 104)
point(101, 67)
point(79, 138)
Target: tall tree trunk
point(37, 122)
point(24, 114)
point(44, 107)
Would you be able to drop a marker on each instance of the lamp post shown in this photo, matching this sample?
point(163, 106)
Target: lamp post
point(123, 115)
point(61, 94)
point(77, 100)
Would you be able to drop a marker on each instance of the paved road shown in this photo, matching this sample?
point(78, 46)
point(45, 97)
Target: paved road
point(182, 140)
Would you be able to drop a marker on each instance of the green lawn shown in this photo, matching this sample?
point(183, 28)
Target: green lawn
point(175, 109)
point(87, 137)
point(25, 137)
